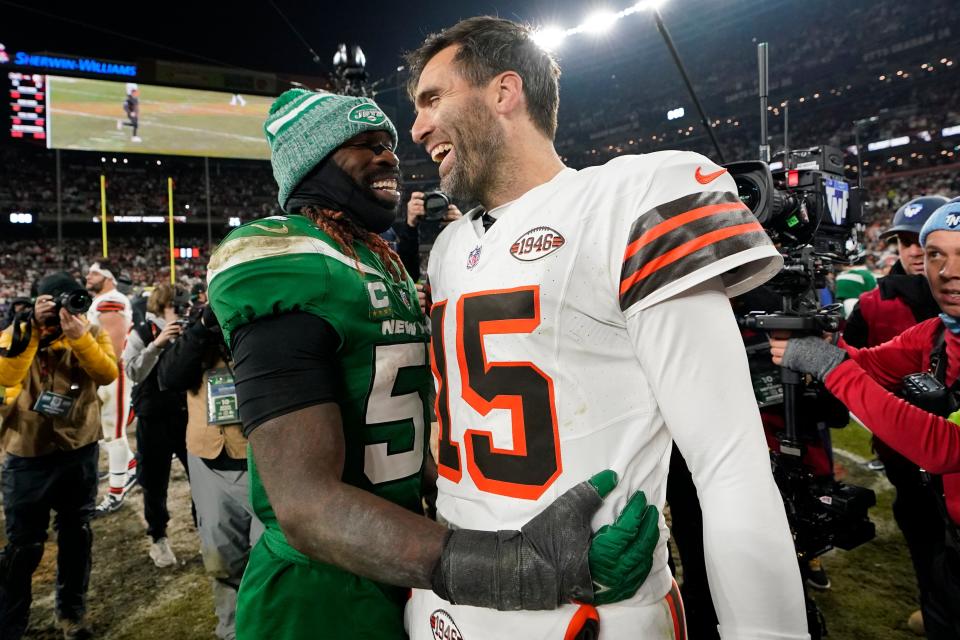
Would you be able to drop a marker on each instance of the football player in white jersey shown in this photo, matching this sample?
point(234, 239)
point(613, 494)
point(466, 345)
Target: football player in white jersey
point(111, 310)
point(582, 322)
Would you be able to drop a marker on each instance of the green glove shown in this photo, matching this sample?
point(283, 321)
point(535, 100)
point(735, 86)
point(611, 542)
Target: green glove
point(541, 566)
point(621, 554)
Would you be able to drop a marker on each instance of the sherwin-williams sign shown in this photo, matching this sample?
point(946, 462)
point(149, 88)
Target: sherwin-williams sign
point(70, 63)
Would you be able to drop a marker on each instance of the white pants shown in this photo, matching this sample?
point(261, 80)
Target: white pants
point(429, 617)
point(115, 407)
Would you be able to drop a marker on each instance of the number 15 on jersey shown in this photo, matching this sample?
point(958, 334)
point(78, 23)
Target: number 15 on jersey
point(532, 464)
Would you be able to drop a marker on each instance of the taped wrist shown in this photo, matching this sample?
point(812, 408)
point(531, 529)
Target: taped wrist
point(471, 569)
point(540, 567)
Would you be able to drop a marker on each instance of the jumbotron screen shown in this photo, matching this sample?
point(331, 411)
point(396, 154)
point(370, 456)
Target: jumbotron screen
point(99, 115)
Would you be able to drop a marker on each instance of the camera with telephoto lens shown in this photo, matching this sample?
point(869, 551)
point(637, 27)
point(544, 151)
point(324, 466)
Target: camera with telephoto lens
point(75, 302)
point(435, 205)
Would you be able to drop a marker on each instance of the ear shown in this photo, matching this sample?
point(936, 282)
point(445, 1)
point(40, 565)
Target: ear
point(509, 96)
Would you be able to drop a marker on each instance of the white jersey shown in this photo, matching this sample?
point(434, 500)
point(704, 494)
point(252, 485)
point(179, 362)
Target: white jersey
point(539, 355)
point(110, 302)
point(115, 398)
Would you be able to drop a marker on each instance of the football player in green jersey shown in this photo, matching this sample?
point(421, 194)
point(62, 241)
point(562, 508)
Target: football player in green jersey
point(331, 373)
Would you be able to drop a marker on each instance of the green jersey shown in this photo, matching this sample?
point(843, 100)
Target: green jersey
point(286, 264)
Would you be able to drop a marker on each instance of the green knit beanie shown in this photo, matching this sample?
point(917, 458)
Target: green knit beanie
point(304, 127)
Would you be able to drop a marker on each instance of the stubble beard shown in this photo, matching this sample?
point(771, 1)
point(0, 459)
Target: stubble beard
point(479, 156)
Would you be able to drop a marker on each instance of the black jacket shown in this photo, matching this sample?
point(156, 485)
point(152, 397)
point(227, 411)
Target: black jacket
point(148, 399)
point(181, 367)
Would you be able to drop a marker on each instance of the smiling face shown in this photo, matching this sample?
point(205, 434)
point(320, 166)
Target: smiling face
point(369, 160)
point(942, 265)
point(458, 129)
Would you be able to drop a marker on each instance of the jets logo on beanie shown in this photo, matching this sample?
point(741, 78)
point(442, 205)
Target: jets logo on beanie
point(304, 127)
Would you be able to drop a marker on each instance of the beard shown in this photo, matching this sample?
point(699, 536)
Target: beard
point(95, 288)
point(479, 150)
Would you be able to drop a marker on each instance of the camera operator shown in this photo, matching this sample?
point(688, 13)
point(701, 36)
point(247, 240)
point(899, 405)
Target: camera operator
point(901, 300)
point(924, 428)
point(161, 415)
point(408, 234)
point(200, 364)
point(51, 365)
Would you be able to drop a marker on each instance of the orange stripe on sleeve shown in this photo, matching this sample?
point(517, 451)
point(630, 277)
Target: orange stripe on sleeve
point(686, 249)
point(670, 224)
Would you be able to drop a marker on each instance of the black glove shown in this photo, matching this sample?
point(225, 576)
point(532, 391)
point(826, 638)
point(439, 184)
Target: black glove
point(542, 566)
point(812, 354)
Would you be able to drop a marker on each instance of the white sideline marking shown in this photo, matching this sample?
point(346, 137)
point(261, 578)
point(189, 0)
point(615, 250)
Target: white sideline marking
point(153, 123)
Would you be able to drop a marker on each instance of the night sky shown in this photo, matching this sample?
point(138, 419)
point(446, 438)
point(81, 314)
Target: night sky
point(253, 35)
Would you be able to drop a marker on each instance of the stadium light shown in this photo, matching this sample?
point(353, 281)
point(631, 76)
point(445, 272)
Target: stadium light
point(600, 22)
point(549, 38)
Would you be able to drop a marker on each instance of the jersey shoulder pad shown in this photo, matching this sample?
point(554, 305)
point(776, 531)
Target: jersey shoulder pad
point(113, 301)
point(275, 265)
point(687, 227)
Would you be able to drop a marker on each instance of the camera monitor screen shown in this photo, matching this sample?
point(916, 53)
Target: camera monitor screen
point(99, 115)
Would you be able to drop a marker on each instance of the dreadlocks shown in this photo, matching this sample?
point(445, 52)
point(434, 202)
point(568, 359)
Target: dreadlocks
point(344, 232)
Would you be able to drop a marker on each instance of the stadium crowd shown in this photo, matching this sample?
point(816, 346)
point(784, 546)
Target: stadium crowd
point(161, 351)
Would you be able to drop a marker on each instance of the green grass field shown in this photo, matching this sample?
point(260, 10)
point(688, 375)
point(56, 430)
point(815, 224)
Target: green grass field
point(874, 589)
point(873, 586)
point(84, 115)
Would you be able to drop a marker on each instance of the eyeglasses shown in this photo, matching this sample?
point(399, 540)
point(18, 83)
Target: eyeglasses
point(376, 147)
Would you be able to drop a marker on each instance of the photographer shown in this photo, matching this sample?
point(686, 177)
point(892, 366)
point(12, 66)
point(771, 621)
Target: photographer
point(929, 437)
point(408, 233)
point(200, 364)
point(161, 415)
point(51, 365)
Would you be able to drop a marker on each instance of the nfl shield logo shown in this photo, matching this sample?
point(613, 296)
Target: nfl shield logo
point(473, 258)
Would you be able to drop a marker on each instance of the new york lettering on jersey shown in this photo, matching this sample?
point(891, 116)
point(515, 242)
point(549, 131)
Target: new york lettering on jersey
point(286, 264)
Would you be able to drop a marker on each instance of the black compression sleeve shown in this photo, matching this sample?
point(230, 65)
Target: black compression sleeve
point(284, 363)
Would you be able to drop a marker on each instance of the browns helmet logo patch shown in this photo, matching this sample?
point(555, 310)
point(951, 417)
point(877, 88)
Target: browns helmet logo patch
point(536, 243)
point(442, 626)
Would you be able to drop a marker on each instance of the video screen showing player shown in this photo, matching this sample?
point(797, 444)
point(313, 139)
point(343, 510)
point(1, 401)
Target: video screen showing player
point(100, 115)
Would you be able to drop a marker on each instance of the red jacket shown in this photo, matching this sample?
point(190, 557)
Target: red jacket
point(886, 317)
point(863, 382)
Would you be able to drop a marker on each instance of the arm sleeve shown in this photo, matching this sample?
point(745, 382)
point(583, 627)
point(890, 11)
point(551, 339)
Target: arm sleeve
point(689, 347)
point(181, 366)
point(688, 226)
point(889, 362)
point(13, 371)
point(282, 364)
point(923, 438)
point(139, 359)
point(96, 356)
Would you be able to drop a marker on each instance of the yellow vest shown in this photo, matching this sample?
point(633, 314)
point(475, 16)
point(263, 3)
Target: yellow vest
point(205, 440)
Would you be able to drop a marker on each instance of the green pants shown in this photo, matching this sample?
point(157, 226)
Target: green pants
point(290, 598)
